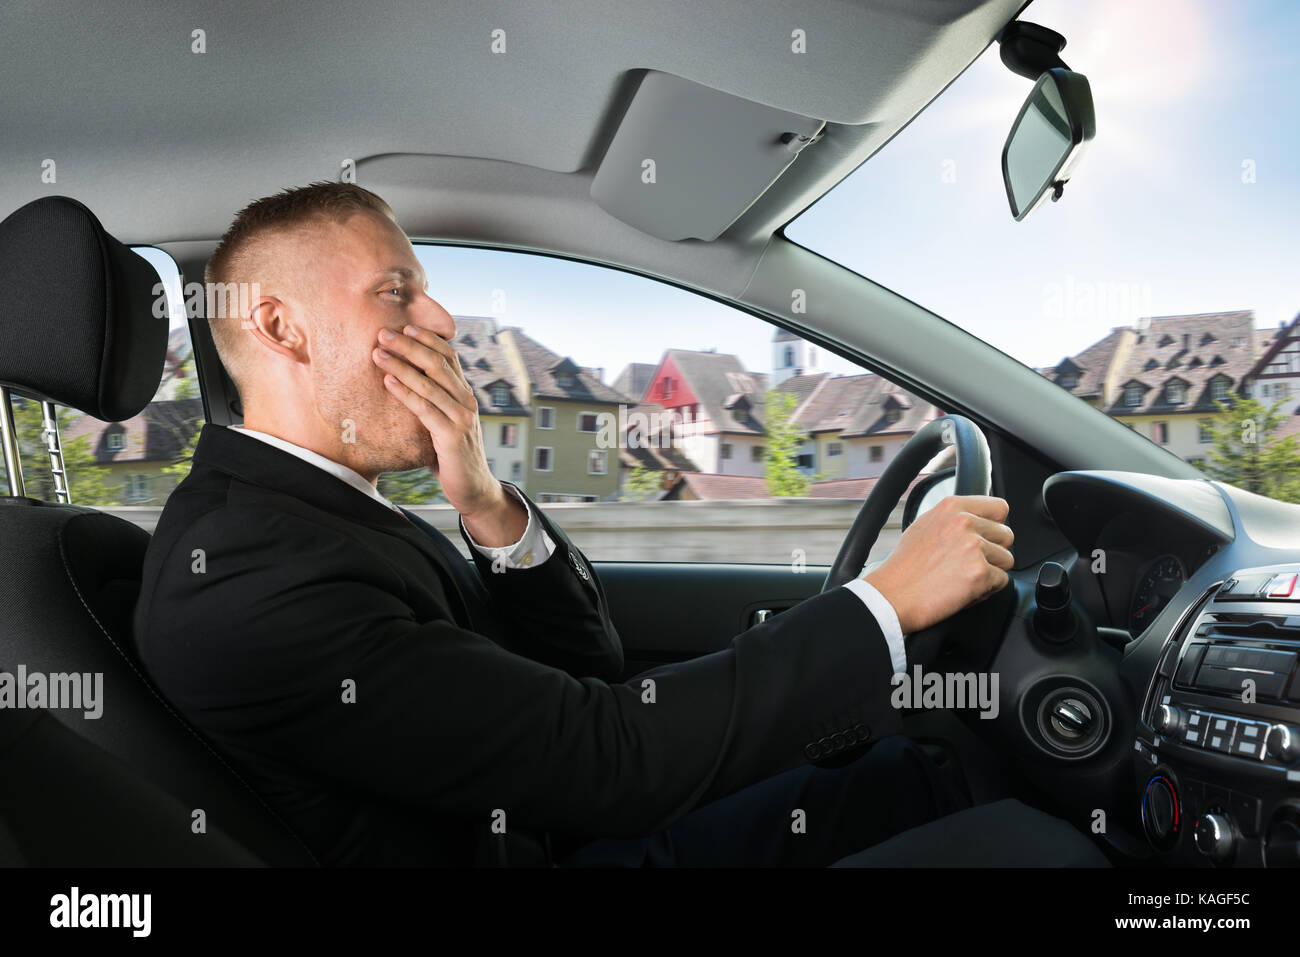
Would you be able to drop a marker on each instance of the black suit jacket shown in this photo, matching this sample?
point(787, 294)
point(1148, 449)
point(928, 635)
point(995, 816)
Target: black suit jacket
point(393, 703)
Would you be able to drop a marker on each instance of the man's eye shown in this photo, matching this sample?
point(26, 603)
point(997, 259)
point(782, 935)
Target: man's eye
point(395, 290)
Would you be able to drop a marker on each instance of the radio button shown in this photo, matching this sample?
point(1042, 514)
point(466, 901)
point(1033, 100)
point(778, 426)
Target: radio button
point(1169, 720)
point(1282, 743)
point(1268, 686)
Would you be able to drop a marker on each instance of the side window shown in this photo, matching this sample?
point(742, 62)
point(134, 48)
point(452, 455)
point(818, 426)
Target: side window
point(136, 462)
point(630, 393)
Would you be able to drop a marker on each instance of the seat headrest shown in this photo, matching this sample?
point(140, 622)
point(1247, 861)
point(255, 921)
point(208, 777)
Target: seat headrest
point(77, 323)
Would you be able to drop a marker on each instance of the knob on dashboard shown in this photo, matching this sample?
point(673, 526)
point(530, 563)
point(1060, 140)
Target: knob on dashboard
point(1214, 837)
point(1170, 719)
point(1160, 812)
point(1282, 842)
point(1282, 743)
point(1053, 618)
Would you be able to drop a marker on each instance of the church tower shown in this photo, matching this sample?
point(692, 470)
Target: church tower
point(791, 356)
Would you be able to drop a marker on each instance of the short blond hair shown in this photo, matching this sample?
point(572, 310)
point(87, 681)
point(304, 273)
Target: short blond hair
point(235, 258)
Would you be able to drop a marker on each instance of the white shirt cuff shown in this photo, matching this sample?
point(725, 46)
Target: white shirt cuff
point(886, 617)
point(534, 548)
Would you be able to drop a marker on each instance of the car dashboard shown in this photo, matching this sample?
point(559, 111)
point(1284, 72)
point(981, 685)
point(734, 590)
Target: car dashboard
point(1203, 582)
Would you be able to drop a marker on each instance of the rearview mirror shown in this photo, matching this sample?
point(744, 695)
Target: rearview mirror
point(1047, 139)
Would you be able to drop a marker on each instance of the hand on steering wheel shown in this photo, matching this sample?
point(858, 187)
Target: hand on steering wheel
point(954, 555)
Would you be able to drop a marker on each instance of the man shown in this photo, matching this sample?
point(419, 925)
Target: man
point(396, 707)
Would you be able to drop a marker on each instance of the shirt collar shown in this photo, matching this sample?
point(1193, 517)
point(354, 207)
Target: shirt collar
point(337, 469)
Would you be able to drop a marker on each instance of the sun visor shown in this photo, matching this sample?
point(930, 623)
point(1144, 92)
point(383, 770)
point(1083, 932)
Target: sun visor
point(687, 159)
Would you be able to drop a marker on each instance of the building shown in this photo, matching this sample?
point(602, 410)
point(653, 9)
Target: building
point(792, 356)
point(497, 373)
point(855, 424)
point(1165, 376)
point(573, 436)
point(1275, 377)
point(719, 406)
point(137, 450)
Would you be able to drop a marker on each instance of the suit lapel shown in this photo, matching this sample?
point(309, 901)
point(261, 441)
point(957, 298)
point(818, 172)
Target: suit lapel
point(254, 461)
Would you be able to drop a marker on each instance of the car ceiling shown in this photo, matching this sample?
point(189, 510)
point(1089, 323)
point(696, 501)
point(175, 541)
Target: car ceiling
point(165, 144)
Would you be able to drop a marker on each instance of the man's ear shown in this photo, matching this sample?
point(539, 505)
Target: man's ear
point(269, 321)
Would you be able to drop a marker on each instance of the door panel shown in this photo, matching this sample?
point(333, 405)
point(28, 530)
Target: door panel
point(672, 611)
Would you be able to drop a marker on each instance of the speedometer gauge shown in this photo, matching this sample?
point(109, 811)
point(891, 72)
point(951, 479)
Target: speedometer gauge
point(1159, 584)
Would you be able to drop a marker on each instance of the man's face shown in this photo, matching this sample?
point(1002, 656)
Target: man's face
point(364, 276)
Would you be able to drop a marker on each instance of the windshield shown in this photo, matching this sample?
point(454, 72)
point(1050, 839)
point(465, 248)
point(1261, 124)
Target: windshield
point(1158, 283)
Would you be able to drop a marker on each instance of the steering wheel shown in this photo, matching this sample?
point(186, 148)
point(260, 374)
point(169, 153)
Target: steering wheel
point(974, 477)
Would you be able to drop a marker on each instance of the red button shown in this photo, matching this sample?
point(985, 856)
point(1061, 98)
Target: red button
point(1282, 586)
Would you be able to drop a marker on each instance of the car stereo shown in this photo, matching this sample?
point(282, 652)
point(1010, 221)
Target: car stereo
point(1218, 745)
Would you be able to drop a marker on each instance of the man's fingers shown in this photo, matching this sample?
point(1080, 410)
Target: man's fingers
point(432, 356)
point(433, 385)
point(997, 556)
point(432, 392)
point(985, 506)
point(431, 417)
point(993, 531)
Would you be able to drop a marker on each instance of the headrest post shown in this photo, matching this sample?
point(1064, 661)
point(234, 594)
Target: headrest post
point(9, 441)
point(50, 433)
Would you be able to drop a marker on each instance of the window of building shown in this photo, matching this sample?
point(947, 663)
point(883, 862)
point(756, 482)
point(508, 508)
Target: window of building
point(509, 435)
point(116, 441)
point(587, 421)
point(596, 461)
point(804, 460)
point(542, 459)
point(756, 453)
point(1160, 433)
point(545, 417)
point(1175, 393)
point(724, 451)
point(136, 487)
point(834, 448)
point(1219, 389)
point(516, 471)
point(1204, 431)
point(877, 453)
point(500, 395)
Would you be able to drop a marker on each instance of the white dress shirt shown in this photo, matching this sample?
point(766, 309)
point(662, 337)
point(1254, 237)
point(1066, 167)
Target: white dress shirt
point(536, 546)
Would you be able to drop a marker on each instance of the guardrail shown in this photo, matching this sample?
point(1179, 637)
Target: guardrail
point(762, 531)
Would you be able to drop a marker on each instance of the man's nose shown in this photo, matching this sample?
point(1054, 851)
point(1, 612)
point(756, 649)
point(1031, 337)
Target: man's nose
point(431, 315)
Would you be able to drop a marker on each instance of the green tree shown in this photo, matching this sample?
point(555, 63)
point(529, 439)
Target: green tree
point(784, 437)
point(187, 382)
point(88, 482)
point(1247, 454)
point(641, 483)
point(413, 487)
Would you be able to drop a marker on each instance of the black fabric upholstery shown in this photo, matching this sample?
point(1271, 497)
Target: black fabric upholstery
point(78, 806)
point(77, 327)
point(65, 567)
point(77, 323)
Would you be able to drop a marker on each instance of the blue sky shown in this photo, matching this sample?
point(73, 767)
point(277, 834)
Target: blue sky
point(1157, 220)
